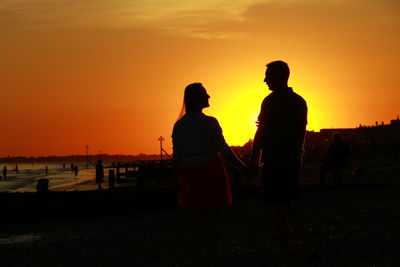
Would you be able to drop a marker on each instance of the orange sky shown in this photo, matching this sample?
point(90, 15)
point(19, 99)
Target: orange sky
point(110, 73)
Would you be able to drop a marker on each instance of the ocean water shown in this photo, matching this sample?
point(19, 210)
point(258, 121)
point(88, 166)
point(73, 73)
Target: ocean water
point(59, 178)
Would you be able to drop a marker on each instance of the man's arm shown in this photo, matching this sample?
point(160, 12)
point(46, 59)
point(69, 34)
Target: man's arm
point(256, 149)
point(260, 136)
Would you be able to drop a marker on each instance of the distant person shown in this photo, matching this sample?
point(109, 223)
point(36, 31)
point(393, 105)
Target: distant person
point(278, 143)
point(16, 169)
point(63, 165)
point(335, 160)
point(46, 169)
point(5, 172)
point(203, 184)
point(99, 173)
point(76, 170)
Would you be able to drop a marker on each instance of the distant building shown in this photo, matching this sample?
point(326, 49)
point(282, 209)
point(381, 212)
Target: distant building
point(395, 122)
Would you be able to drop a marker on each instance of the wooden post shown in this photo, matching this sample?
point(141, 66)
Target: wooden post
point(118, 173)
point(111, 179)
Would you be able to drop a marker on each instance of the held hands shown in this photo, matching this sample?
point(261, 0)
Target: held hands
point(249, 170)
point(252, 169)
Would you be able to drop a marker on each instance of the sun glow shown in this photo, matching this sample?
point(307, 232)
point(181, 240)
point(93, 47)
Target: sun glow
point(238, 114)
point(111, 74)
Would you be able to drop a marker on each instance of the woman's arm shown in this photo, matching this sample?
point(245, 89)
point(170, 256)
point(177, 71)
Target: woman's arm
point(226, 151)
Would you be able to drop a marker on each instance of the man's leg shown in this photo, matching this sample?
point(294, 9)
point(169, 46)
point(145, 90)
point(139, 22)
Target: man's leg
point(337, 176)
point(296, 222)
point(279, 211)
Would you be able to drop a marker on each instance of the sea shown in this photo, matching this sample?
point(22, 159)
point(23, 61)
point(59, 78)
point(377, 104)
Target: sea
point(60, 178)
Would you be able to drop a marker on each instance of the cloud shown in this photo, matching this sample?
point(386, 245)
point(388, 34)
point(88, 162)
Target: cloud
point(176, 15)
point(207, 19)
point(327, 20)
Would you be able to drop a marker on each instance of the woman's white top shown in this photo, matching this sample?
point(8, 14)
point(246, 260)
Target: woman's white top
point(196, 138)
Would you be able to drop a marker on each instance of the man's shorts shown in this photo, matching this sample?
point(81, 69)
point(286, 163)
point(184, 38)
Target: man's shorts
point(280, 185)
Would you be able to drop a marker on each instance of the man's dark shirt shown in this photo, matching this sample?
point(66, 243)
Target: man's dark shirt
point(282, 125)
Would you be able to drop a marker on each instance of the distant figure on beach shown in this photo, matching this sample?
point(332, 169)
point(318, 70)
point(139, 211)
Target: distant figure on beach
point(76, 170)
point(203, 183)
point(278, 144)
point(335, 160)
point(5, 172)
point(46, 169)
point(16, 169)
point(63, 165)
point(99, 173)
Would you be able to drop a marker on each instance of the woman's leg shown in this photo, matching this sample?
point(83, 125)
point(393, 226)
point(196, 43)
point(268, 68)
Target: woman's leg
point(211, 235)
point(197, 236)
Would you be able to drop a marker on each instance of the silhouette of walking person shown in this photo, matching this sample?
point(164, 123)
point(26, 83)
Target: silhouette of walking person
point(336, 159)
point(278, 143)
point(99, 173)
point(203, 183)
point(76, 170)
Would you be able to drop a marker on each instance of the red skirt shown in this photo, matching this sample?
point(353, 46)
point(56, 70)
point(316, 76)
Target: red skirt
point(204, 186)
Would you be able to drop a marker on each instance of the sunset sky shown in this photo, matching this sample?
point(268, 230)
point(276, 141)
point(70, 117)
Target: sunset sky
point(111, 73)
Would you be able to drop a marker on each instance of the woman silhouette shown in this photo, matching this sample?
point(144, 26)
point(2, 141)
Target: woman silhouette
point(203, 183)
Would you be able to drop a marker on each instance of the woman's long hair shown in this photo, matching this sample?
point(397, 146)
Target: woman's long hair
point(191, 98)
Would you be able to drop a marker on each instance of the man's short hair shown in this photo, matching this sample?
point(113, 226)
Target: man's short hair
point(280, 67)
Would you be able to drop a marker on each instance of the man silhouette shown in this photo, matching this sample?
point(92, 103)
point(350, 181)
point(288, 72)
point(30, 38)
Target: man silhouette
point(278, 142)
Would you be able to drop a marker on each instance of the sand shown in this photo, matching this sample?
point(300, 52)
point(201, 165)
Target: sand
point(354, 225)
point(357, 224)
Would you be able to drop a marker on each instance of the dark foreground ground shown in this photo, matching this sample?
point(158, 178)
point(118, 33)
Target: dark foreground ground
point(357, 224)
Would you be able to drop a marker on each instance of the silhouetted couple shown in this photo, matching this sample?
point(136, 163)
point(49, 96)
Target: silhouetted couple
point(203, 183)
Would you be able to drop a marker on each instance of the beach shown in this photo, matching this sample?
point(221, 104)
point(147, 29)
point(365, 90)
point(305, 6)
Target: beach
point(348, 226)
point(356, 224)
point(60, 178)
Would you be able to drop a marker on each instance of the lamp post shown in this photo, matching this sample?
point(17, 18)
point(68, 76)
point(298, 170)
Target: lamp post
point(161, 149)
